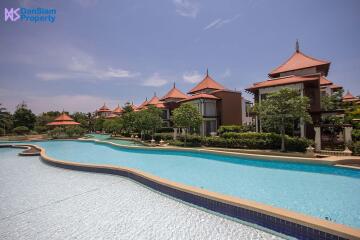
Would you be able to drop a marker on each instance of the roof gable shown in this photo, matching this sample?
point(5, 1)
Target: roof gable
point(174, 93)
point(206, 83)
point(298, 61)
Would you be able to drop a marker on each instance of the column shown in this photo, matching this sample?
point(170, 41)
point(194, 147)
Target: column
point(175, 133)
point(302, 128)
point(317, 138)
point(347, 134)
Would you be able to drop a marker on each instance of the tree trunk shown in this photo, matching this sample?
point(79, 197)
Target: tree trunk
point(282, 131)
point(185, 137)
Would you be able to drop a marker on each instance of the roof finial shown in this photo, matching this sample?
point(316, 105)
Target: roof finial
point(297, 46)
point(207, 71)
point(174, 85)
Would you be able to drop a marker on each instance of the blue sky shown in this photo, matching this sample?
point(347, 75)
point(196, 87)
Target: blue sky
point(116, 51)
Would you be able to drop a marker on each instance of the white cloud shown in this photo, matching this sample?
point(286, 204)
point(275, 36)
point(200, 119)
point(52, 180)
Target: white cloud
point(192, 77)
point(218, 23)
point(186, 8)
point(71, 103)
point(83, 67)
point(155, 81)
point(227, 73)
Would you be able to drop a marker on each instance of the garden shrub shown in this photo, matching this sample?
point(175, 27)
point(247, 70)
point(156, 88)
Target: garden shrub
point(234, 128)
point(165, 136)
point(21, 130)
point(355, 148)
point(355, 135)
point(165, 130)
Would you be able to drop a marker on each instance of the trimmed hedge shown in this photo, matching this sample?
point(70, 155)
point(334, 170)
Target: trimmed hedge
point(163, 136)
point(233, 128)
point(248, 140)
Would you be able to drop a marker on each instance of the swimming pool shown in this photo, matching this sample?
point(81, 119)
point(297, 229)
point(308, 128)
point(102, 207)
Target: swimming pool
point(316, 190)
point(107, 138)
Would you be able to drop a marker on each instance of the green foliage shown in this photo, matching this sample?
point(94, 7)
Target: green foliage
point(127, 108)
point(24, 116)
point(165, 130)
point(21, 130)
point(86, 120)
point(163, 136)
point(356, 135)
point(113, 126)
point(257, 141)
point(75, 131)
point(187, 116)
point(355, 148)
point(56, 132)
point(6, 122)
point(148, 121)
point(129, 125)
point(281, 109)
point(234, 128)
point(99, 124)
point(332, 102)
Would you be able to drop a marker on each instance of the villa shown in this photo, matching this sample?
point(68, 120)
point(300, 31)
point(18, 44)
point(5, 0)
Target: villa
point(304, 73)
point(217, 105)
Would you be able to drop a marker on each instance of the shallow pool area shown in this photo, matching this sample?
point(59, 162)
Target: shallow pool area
point(107, 138)
point(325, 192)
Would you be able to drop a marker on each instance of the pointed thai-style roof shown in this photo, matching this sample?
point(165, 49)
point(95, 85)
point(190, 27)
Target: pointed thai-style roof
point(154, 100)
point(63, 119)
point(282, 81)
point(348, 97)
point(174, 93)
point(200, 96)
point(298, 61)
point(117, 110)
point(143, 104)
point(104, 108)
point(206, 83)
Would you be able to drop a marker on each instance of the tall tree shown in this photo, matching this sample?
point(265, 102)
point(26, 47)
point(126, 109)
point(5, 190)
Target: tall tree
point(282, 108)
point(23, 116)
point(6, 122)
point(187, 116)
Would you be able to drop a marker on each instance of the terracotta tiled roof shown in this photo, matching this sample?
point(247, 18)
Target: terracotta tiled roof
point(174, 93)
point(206, 83)
point(200, 96)
point(118, 109)
point(160, 105)
point(334, 86)
point(325, 81)
point(153, 101)
point(282, 81)
point(104, 108)
point(143, 104)
point(349, 97)
point(64, 117)
point(298, 61)
point(62, 123)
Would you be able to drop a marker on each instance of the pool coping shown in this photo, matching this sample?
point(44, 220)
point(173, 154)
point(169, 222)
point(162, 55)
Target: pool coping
point(277, 219)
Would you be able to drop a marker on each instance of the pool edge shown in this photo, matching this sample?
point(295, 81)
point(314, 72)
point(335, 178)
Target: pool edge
point(279, 220)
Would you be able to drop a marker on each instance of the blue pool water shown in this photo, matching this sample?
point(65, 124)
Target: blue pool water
point(107, 138)
point(320, 191)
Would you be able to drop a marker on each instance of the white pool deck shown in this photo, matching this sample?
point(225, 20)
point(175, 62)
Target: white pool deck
point(38, 201)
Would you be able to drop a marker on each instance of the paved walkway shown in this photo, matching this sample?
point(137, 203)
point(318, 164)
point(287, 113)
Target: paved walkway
point(38, 201)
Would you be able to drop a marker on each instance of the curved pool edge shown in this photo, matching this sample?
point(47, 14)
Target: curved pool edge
point(279, 220)
point(330, 161)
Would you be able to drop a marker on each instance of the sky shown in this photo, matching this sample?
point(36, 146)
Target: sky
point(115, 51)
